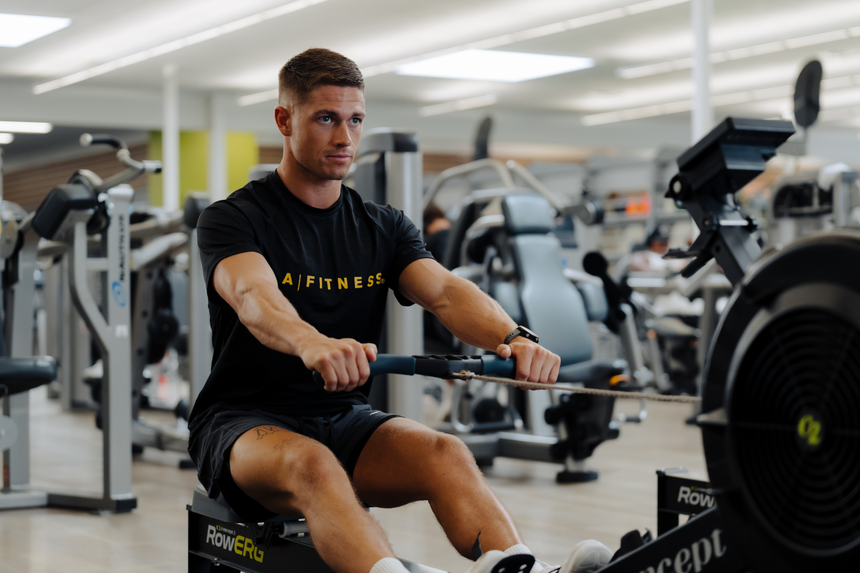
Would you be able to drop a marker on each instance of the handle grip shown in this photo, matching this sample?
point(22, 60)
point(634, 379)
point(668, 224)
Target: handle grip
point(438, 367)
point(102, 139)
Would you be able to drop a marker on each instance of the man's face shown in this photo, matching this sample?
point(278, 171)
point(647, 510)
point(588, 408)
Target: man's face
point(660, 247)
point(325, 129)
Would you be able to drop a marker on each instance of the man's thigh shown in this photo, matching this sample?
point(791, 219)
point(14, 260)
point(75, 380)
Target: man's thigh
point(397, 465)
point(266, 460)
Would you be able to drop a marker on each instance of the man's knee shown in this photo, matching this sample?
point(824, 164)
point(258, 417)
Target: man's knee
point(450, 453)
point(311, 467)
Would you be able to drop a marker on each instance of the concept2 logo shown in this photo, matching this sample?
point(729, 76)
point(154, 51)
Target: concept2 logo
point(810, 430)
point(692, 496)
point(238, 544)
point(694, 559)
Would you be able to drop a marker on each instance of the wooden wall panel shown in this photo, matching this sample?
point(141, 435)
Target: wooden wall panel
point(271, 154)
point(27, 187)
point(433, 162)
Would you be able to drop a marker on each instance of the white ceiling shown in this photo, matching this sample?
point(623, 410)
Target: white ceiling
point(546, 111)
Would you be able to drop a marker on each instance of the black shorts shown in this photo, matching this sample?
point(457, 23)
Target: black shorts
point(345, 434)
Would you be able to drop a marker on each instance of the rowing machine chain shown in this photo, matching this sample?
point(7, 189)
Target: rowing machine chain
point(466, 375)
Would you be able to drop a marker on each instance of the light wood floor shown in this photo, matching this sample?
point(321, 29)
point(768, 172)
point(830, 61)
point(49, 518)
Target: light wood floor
point(551, 517)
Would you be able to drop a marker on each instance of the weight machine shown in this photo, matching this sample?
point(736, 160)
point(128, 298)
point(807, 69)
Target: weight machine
point(71, 213)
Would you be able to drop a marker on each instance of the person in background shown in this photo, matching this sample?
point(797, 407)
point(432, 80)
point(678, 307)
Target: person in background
point(650, 258)
point(437, 227)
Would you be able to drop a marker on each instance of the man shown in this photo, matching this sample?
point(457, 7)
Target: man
point(649, 258)
point(437, 228)
point(297, 270)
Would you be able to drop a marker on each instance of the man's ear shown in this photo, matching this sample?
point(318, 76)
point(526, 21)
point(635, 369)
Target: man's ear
point(284, 120)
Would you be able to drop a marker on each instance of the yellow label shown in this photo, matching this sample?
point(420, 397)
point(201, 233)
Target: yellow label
point(809, 430)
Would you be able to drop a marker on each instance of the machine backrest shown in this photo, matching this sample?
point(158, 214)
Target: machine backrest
point(594, 298)
point(468, 214)
point(551, 305)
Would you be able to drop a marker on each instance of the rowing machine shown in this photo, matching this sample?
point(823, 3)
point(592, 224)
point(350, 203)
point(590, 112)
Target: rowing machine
point(219, 537)
point(782, 383)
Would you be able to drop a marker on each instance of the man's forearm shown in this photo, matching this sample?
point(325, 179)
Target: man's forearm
point(472, 316)
point(275, 322)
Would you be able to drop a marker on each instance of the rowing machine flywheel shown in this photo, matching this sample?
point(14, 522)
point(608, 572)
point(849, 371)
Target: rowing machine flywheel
point(781, 403)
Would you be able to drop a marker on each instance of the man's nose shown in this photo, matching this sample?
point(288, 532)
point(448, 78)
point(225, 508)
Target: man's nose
point(342, 137)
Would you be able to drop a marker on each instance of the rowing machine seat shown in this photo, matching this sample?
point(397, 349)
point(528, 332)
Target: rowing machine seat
point(219, 509)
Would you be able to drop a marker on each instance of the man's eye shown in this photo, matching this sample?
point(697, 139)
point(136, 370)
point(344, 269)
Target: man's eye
point(356, 120)
point(325, 119)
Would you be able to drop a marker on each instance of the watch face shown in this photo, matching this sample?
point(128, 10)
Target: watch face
point(528, 332)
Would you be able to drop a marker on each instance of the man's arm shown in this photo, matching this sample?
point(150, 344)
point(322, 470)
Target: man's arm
point(248, 284)
point(475, 318)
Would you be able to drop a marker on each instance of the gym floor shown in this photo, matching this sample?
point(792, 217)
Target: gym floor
point(66, 451)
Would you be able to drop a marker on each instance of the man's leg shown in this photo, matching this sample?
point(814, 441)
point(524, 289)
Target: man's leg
point(405, 461)
point(288, 473)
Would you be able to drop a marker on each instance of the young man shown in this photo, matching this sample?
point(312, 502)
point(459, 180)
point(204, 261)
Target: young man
point(297, 271)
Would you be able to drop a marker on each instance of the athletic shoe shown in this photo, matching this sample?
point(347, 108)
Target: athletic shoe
point(587, 557)
point(498, 562)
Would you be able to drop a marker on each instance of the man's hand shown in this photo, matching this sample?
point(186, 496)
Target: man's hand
point(534, 362)
point(342, 362)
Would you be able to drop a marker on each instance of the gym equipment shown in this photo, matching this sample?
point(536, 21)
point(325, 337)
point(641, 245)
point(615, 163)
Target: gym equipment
point(501, 241)
point(219, 538)
point(158, 237)
point(513, 258)
point(782, 387)
point(155, 326)
point(808, 202)
point(387, 170)
point(70, 214)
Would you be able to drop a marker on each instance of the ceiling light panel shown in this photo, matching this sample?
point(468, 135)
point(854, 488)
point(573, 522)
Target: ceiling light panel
point(512, 13)
point(26, 126)
point(809, 24)
point(584, 21)
point(19, 29)
point(175, 45)
point(739, 53)
point(494, 66)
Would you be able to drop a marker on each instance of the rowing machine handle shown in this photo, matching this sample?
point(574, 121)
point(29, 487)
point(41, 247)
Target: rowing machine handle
point(439, 367)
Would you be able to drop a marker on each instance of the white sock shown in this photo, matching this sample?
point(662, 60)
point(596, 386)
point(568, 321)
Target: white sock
point(389, 565)
point(520, 549)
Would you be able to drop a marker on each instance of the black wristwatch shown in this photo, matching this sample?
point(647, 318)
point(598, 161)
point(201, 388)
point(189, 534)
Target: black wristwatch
point(524, 332)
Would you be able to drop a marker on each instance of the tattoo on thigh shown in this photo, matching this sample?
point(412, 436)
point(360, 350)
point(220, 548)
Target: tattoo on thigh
point(263, 431)
point(282, 445)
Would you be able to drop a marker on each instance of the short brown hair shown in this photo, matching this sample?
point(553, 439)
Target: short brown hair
point(431, 213)
point(314, 68)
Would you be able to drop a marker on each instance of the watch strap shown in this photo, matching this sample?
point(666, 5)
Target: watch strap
point(521, 331)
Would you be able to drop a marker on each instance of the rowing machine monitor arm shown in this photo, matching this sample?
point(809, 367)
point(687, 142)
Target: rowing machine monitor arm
point(709, 175)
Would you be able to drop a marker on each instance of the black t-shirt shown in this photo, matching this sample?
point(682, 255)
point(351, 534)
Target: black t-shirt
point(335, 266)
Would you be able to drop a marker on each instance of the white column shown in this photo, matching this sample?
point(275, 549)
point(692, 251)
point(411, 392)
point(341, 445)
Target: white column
point(702, 13)
point(170, 138)
point(217, 160)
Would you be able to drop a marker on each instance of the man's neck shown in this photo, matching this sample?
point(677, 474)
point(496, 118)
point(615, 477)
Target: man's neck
point(308, 188)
